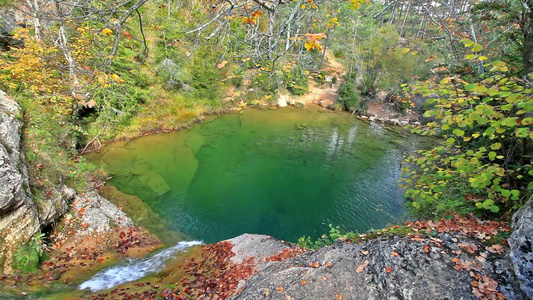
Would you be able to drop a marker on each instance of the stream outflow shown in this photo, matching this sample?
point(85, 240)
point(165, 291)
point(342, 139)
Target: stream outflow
point(134, 269)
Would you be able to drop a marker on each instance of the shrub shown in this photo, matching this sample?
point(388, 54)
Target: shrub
point(348, 96)
point(483, 166)
point(297, 83)
point(28, 256)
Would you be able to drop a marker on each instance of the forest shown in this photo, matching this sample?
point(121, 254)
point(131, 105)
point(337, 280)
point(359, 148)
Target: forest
point(90, 72)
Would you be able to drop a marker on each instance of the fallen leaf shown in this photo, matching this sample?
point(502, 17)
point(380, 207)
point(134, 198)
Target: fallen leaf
point(395, 254)
point(365, 252)
point(362, 267)
point(304, 282)
point(426, 248)
point(324, 277)
point(338, 297)
point(389, 269)
point(328, 264)
point(495, 249)
point(470, 248)
point(91, 103)
point(222, 64)
point(280, 289)
point(314, 264)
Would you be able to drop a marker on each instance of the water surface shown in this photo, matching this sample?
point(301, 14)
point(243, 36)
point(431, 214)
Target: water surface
point(286, 173)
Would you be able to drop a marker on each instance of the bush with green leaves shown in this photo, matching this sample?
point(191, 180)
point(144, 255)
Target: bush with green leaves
point(348, 96)
point(485, 163)
point(28, 256)
point(335, 233)
point(296, 81)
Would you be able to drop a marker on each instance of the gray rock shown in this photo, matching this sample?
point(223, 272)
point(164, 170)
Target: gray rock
point(520, 242)
point(415, 274)
point(257, 246)
point(12, 173)
point(55, 206)
point(8, 22)
point(99, 214)
point(282, 100)
point(19, 218)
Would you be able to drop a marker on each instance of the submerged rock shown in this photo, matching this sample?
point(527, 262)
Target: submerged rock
point(521, 241)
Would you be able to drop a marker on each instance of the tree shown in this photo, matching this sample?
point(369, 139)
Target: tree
point(527, 28)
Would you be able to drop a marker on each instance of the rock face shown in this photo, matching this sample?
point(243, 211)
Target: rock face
point(19, 218)
point(8, 22)
point(393, 268)
point(521, 241)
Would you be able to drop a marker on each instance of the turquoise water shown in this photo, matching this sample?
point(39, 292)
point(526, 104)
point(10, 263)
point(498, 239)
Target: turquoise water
point(286, 173)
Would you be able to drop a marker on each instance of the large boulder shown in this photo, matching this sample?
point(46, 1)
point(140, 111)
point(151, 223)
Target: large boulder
point(520, 242)
point(387, 268)
point(98, 214)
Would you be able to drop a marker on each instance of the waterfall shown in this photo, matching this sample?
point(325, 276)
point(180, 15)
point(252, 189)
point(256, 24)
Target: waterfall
point(134, 269)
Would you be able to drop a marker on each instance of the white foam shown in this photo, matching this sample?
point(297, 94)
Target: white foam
point(134, 269)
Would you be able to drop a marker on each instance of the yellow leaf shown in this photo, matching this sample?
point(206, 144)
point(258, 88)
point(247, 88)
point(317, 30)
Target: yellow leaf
point(405, 50)
point(107, 31)
point(309, 46)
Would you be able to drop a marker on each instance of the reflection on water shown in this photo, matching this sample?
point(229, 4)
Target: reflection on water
point(287, 173)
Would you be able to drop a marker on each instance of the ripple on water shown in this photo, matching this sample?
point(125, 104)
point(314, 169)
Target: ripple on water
point(286, 173)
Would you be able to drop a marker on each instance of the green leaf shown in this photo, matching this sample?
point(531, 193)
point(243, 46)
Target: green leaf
point(506, 107)
point(467, 42)
point(482, 58)
point(522, 132)
point(496, 146)
point(458, 132)
point(470, 87)
point(494, 209)
point(450, 141)
point(477, 47)
point(492, 155)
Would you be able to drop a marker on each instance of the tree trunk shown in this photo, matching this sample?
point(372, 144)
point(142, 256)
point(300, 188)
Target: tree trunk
point(527, 29)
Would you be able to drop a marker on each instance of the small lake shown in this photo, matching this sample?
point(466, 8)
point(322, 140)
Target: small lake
point(282, 172)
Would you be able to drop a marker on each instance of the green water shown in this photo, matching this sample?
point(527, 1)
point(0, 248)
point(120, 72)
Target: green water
point(286, 173)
